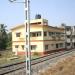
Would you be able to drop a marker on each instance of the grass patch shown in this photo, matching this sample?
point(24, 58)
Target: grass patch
point(7, 55)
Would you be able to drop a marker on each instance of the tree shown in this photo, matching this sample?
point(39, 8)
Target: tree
point(3, 37)
point(9, 43)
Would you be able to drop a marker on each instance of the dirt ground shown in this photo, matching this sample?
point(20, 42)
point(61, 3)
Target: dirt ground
point(66, 66)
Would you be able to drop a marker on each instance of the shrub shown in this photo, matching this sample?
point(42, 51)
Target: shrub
point(36, 54)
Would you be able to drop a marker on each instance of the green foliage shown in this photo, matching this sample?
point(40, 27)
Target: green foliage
point(3, 37)
point(9, 43)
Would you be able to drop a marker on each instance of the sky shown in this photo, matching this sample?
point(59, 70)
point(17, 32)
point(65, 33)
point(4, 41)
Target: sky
point(55, 11)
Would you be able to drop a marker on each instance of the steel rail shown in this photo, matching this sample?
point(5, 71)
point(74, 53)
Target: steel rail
point(34, 61)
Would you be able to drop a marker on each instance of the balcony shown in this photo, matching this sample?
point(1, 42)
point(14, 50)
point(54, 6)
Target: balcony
point(68, 40)
point(53, 37)
point(36, 38)
point(68, 33)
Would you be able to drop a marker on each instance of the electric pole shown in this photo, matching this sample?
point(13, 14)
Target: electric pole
point(27, 37)
point(27, 34)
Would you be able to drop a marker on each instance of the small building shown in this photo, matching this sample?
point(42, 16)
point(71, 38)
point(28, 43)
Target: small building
point(43, 37)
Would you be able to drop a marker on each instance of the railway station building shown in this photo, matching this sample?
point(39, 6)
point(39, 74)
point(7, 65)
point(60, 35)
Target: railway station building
point(43, 37)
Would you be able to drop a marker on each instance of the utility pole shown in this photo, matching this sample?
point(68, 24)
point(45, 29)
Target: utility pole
point(27, 34)
point(27, 37)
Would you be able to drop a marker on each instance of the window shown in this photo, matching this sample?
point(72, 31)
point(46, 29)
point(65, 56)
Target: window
point(56, 45)
point(58, 34)
point(74, 44)
point(16, 46)
point(22, 47)
point(18, 34)
point(50, 33)
point(68, 36)
point(35, 34)
point(33, 47)
point(62, 34)
point(68, 44)
point(61, 44)
point(38, 22)
point(46, 47)
point(38, 33)
point(45, 33)
point(68, 29)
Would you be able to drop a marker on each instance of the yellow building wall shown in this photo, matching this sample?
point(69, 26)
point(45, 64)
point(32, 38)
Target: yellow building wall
point(21, 38)
point(52, 45)
point(39, 47)
point(33, 40)
point(39, 41)
point(36, 28)
point(22, 30)
point(52, 29)
point(52, 41)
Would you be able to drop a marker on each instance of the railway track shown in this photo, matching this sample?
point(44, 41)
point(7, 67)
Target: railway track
point(6, 69)
point(47, 57)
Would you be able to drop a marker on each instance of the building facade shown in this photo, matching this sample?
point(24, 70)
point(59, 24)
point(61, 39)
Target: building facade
point(69, 36)
point(73, 36)
point(43, 38)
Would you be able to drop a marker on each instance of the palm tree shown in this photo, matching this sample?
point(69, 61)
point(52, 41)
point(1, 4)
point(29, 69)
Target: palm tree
point(3, 37)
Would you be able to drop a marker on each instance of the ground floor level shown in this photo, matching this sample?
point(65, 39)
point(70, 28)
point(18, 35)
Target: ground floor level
point(41, 47)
